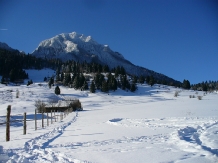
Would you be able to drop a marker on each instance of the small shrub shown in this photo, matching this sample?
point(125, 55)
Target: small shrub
point(76, 105)
point(176, 94)
point(190, 96)
point(193, 96)
point(17, 93)
point(199, 97)
point(40, 106)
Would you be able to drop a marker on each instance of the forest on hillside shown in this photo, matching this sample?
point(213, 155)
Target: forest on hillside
point(75, 74)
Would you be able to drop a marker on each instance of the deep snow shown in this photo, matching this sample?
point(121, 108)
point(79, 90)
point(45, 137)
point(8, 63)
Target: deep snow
point(150, 125)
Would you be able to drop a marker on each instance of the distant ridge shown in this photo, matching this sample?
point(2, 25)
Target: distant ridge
point(5, 46)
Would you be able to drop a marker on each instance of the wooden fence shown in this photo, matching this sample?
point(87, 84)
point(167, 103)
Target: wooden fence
point(55, 116)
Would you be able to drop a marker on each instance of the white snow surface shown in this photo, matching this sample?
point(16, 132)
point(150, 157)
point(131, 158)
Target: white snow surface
point(150, 125)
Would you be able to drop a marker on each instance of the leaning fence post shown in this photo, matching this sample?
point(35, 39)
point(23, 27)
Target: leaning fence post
point(35, 120)
point(24, 123)
point(8, 123)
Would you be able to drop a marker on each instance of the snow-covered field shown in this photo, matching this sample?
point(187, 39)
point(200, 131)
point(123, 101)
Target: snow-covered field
point(150, 125)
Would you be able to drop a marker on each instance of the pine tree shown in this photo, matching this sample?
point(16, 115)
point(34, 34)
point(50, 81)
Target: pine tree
point(67, 79)
point(152, 81)
point(76, 83)
point(12, 75)
point(51, 82)
point(57, 90)
point(135, 79)
point(2, 80)
point(133, 87)
point(122, 70)
point(186, 84)
point(92, 87)
point(141, 79)
point(85, 86)
point(82, 79)
point(204, 87)
point(114, 84)
point(104, 87)
point(147, 79)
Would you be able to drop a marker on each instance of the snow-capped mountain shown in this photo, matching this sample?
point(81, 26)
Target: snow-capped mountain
point(74, 46)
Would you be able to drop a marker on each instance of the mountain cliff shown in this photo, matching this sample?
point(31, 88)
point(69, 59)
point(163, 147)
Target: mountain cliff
point(74, 46)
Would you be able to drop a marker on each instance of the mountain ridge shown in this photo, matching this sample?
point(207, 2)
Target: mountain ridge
point(78, 47)
point(6, 46)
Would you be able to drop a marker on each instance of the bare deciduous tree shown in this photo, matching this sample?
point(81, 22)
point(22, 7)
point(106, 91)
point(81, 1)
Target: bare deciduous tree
point(40, 106)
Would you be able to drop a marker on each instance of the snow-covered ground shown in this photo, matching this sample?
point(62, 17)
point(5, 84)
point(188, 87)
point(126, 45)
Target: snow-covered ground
point(150, 125)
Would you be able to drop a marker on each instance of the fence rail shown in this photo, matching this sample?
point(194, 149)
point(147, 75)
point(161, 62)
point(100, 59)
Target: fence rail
point(54, 117)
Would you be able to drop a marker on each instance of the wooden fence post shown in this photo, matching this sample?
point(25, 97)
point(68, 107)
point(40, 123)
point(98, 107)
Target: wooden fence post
point(51, 116)
point(42, 119)
point(54, 115)
point(35, 120)
point(8, 123)
point(47, 119)
point(24, 123)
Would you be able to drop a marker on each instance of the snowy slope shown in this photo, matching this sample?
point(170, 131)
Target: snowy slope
point(150, 125)
point(68, 46)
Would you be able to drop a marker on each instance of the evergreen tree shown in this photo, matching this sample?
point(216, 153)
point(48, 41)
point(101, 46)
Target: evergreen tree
point(141, 79)
point(114, 84)
point(12, 75)
point(152, 81)
point(85, 86)
point(104, 87)
point(82, 79)
point(62, 76)
point(122, 70)
point(105, 68)
point(147, 79)
point(51, 82)
point(119, 84)
point(133, 87)
point(67, 79)
point(204, 87)
point(2, 80)
point(135, 79)
point(117, 71)
point(92, 87)
point(76, 84)
point(57, 90)
point(186, 84)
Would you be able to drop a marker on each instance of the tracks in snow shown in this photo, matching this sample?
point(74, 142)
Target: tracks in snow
point(201, 140)
point(35, 150)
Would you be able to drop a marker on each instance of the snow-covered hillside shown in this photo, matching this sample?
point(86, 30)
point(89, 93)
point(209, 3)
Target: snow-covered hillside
point(150, 125)
point(78, 47)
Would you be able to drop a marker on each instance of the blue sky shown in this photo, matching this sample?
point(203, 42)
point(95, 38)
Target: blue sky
point(178, 38)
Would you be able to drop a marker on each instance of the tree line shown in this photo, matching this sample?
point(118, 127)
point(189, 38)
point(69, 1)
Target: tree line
point(206, 86)
point(13, 63)
point(71, 74)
